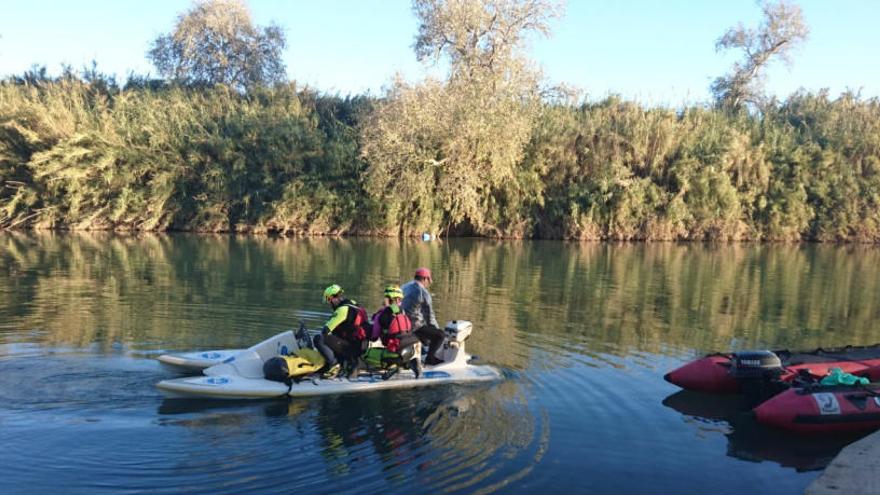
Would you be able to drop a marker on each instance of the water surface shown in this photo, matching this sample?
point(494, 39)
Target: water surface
point(582, 332)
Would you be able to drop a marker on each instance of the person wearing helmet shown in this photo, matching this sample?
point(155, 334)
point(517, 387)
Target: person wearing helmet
point(418, 306)
point(343, 334)
point(392, 325)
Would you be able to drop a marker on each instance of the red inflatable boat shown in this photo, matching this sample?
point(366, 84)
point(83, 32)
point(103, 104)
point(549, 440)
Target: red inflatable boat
point(835, 409)
point(726, 373)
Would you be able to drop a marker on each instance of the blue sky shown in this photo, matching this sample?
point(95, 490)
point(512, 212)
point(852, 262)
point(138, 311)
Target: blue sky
point(657, 51)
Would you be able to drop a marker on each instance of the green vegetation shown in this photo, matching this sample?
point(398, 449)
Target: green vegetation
point(75, 157)
point(487, 151)
point(79, 155)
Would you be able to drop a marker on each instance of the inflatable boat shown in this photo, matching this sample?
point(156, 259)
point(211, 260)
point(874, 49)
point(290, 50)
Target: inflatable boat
point(728, 373)
point(192, 363)
point(824, 409)
point(242, 377)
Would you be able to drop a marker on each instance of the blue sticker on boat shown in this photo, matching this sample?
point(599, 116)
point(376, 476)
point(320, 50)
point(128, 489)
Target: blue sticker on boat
point(211, 355)
point(436, 374)
point(284, 350)
point(229, 360)
point(217, 380)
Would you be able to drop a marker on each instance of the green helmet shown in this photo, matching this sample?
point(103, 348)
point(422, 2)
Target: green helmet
point(393, 292)
point(332, 291)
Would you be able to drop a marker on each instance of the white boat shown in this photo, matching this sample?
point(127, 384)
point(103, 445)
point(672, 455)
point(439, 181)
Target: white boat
point(190, 363)
point(241, 376)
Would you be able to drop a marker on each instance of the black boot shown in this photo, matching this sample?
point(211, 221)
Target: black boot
point(416, 366)
point(391, 371)
point(354, 367)
point(433, 360)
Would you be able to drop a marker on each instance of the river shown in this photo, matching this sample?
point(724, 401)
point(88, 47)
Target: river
point(583, 333)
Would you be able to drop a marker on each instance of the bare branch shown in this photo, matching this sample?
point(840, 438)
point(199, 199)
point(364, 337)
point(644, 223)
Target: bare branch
point(782, 30)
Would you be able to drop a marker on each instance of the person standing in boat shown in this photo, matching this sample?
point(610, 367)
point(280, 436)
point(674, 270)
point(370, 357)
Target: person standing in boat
point(418, 305)
point(343, 335)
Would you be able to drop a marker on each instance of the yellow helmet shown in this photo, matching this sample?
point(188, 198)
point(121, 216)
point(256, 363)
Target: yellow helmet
point(393, 292)
point(332, 291)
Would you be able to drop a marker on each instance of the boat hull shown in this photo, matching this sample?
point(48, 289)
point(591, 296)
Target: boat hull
point(194, 362)
point(711, 373)
point(836, 409)
point(237, 387)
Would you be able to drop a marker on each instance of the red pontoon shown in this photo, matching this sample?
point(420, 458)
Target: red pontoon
point(818, 409)
point(725, 373)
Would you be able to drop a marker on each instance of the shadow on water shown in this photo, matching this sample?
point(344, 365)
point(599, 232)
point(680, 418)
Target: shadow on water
point(749, 440)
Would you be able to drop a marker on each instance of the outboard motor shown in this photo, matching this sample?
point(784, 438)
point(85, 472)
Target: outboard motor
point(457, 331)
point(758, 374)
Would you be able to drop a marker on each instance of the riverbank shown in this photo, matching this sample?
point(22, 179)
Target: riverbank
point(854, 470)
point(261, 231)
point(76, 155)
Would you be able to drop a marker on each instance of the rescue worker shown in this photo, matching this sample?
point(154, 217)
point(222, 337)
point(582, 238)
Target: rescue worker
point(391, 323)
point(342, 337)
point(393, 327)
point(419, 308)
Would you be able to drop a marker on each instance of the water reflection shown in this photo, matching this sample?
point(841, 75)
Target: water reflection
point(448, 438)
point(749, 440)
point(159, 291)
point(584, 333)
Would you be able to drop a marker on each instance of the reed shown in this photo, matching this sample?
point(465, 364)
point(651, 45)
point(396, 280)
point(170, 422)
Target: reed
point(80, 154)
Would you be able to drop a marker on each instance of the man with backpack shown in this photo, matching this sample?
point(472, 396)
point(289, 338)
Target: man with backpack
point(343, 335)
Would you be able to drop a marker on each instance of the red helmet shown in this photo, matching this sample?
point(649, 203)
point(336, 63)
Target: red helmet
point(424, 273)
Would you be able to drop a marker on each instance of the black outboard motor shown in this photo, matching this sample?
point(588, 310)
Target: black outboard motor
point(758, 375)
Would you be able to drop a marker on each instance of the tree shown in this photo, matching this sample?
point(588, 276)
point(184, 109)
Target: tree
point(216, 43)
point(444, 154)
point(479, 35)
point(781, 31)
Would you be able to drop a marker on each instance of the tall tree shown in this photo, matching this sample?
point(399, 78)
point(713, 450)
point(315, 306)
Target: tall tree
point(217, 42)
point(482, 35)
point(781, 30)
point(444, 154)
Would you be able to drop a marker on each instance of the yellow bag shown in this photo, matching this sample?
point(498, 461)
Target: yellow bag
point(304, 362)
point(301, 363)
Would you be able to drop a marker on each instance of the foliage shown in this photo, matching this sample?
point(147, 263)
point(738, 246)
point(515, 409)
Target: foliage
point(443, 154)
point(484, 151)
point(89, 155)
point(180, 159)
point(216, 42)
point(483, 36)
